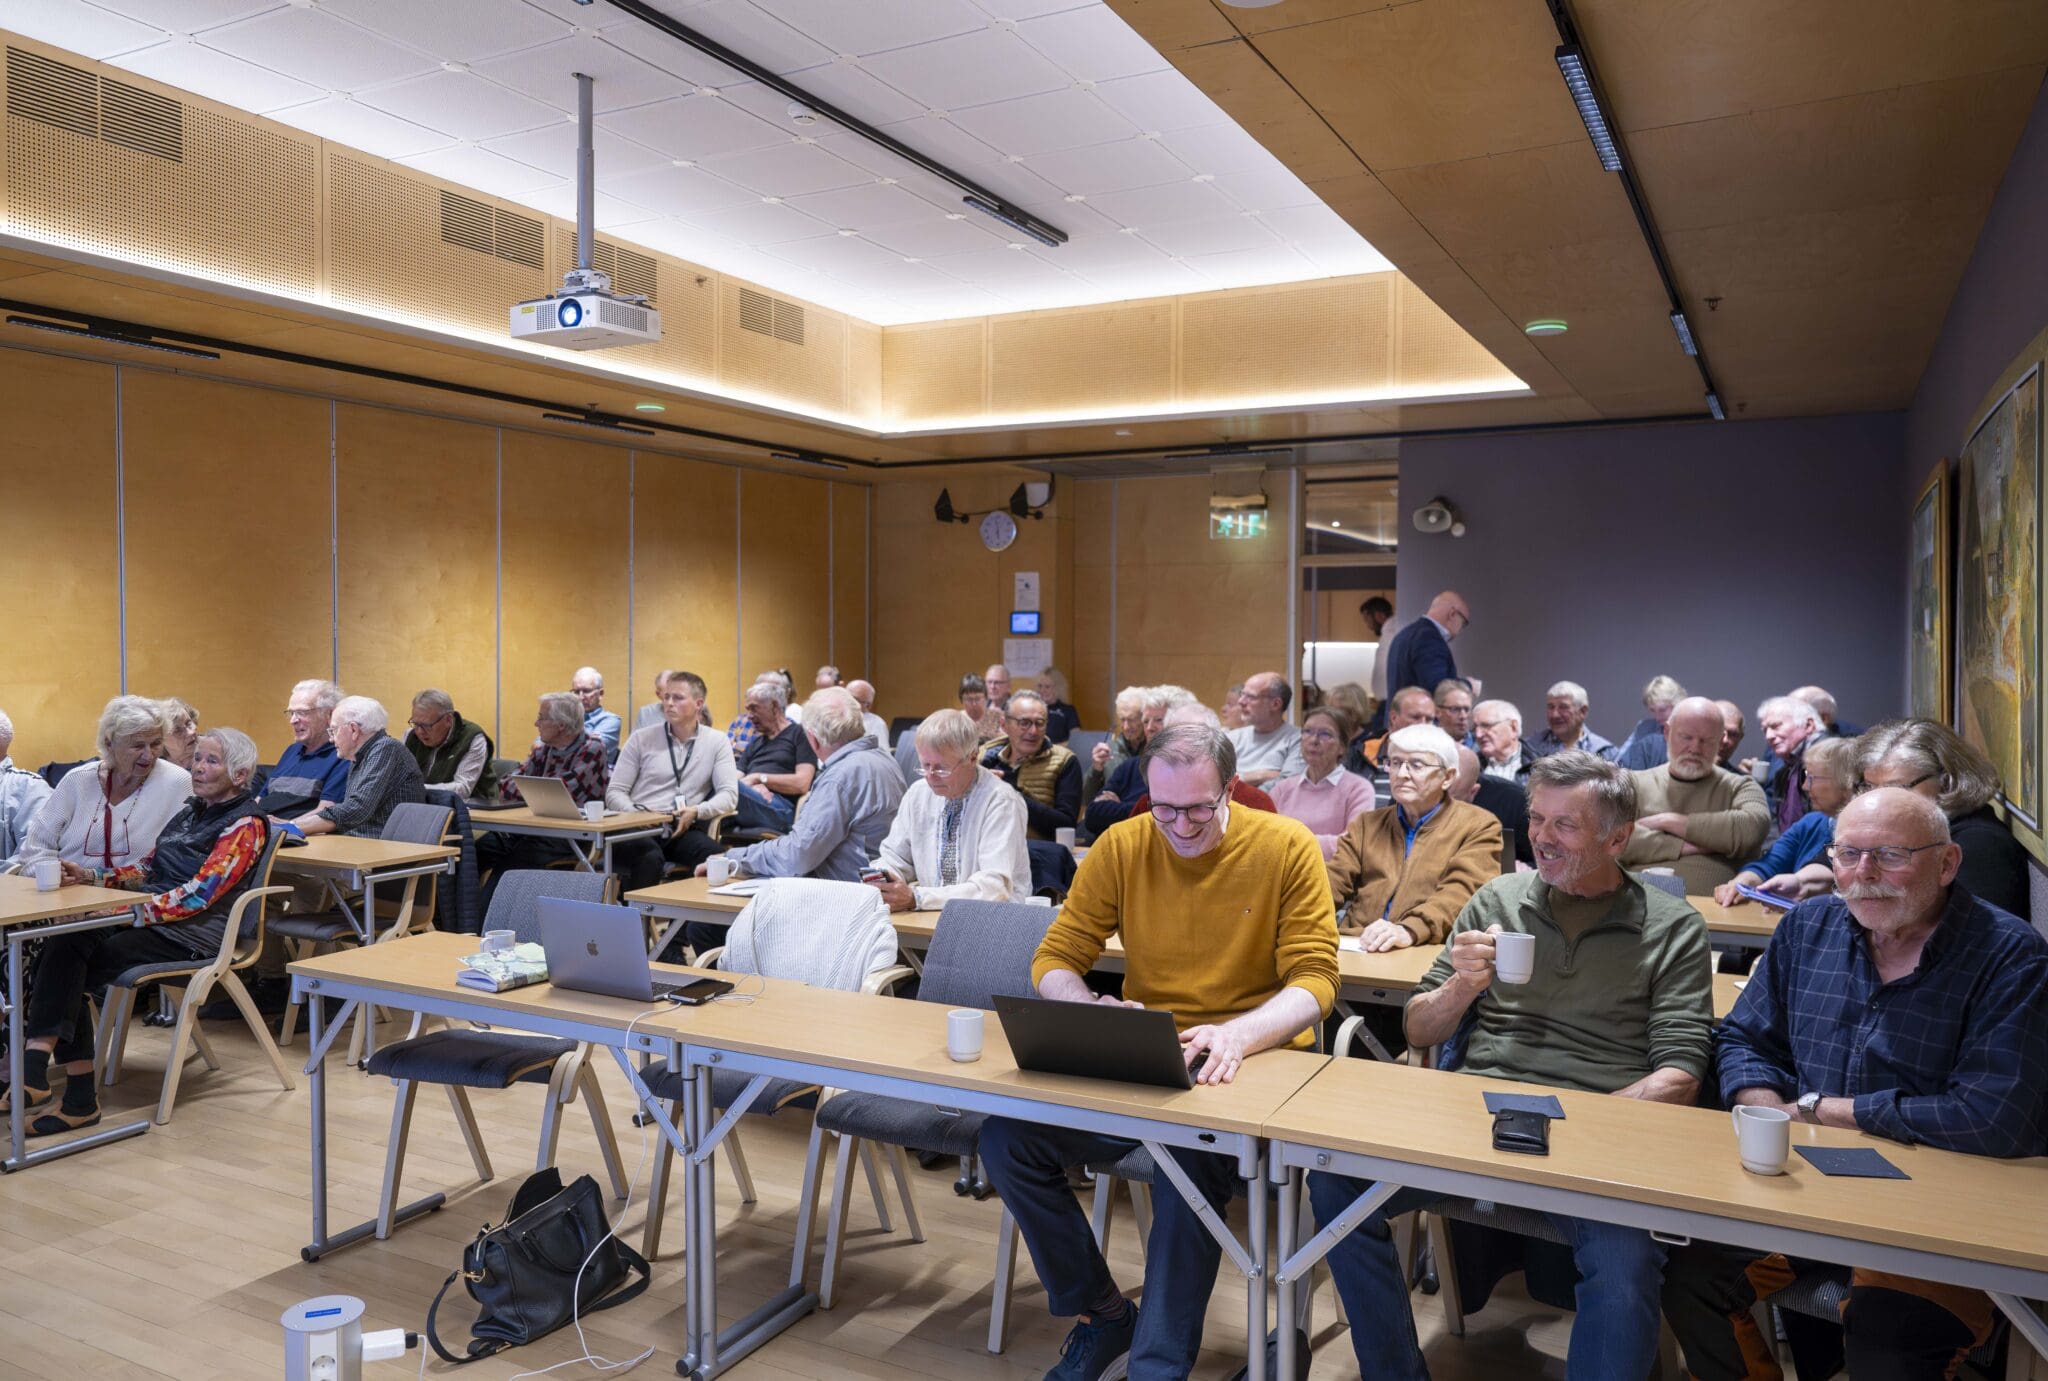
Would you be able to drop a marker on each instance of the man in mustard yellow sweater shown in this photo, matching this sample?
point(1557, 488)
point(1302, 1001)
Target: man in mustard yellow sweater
point(1226, 922)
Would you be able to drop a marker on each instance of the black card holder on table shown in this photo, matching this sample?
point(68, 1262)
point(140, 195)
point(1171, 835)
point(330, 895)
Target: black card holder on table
point(1522, 1132)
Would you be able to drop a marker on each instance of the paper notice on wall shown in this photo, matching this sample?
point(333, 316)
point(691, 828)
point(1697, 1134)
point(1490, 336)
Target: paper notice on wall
point(1025, 596)
point(1026, 658)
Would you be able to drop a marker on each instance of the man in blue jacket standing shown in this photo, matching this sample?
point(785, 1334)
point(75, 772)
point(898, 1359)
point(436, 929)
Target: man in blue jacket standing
point(1420, 654)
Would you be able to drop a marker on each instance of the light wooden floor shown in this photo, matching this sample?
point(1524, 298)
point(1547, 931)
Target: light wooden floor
point(173, 1254)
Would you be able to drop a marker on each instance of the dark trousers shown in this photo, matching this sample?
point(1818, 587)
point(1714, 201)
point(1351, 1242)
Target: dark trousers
point(639, 862)
point(497, 853)
point(753, 813)
point(1893, 1328)
point(1027, 1163)
point(71, 966)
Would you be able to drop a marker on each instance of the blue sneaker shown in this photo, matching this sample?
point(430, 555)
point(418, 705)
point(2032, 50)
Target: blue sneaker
point(1090, 1348)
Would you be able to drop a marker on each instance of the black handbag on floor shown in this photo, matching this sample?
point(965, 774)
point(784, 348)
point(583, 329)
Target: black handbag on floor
point(525, 1274)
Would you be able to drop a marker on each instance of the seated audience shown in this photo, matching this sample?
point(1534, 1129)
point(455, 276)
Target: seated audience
point(1783, 869)
point(1327, 796)
point(196, 866)
point(1126, 783)
point(959, 832)
point(651, 713)
point(1932, 760)
point(1420, 654)
point(1903, 1007)
point(1505, 801)
point(1409, 705)
point(599, 722)
point(1789, 725)
point(1127, 742)
point(1503, 752)
point(181, 730)
point(1402, 874)
point(453, 753)
point(1242, 793)
point(1454, 712)
point(311, 768)
point(778, 766)
point(107, 813)
point(681, 767)
point(827, 677)
point(1267, 745)
point(1644, 747)
point(1824, 706)
point(566, 750)
point(997, 680)
point(1564, 717)
point(863, 693)
point(382, 774)
point(1061, 718)
point(1354, 700)
point(1047, 774)
point(1621, 1003)
point(22, 794)
point(849, 806)
point(1696, 818)
point(1230, 714)
point(1737, 726)
point(742, 731)
point(974, 703)
point(1225, 921)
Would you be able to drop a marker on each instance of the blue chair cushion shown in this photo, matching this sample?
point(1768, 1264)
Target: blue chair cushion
point(901, 1122)
point(471, 1059)
point(728, 1084)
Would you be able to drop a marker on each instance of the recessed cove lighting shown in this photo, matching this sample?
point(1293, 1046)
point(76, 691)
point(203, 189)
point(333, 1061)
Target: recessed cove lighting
point(1547, 326)
point(1251, 4)
point(649, 407)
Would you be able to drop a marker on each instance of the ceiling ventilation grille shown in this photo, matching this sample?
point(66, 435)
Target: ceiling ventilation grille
point(632, 273)
point(771, 316)
point(506, 235)
point(71, 98)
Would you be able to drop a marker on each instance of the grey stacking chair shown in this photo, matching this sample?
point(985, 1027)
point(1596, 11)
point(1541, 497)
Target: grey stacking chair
point(906, 758)
point(465, 1058)
point(979, 950)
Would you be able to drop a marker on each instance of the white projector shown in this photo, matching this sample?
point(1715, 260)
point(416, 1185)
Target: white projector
point(585, 321)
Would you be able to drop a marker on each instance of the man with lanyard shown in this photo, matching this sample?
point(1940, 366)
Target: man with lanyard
point(680, 766)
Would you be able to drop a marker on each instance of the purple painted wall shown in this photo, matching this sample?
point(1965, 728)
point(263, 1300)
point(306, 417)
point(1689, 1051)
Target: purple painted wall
point(1741, 557)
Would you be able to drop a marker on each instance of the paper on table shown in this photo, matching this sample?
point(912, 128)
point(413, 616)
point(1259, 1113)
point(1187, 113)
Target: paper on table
point(1542, 1103)
point(1356, 942)
point(746, 887)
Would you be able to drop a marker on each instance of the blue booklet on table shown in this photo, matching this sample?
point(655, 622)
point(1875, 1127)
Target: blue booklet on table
point(1770, 899)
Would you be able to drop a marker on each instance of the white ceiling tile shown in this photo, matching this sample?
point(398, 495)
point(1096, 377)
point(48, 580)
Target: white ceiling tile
point(1265, 189)
point(1246, 268)
point(348, 121)
point(468, 166)
point(181, 16)
point(1160, 101)
point(787, 170)
point(1345, 256)
point(1105, 257)
point(552, 149)
point(1151, 280)
point(895, 277)
point(1114, 167)
point(1052, 120)
point(860, 27)
point(318, 48)
point(757, 34)
point(762, 223)
point(584, 15)
point(453, 30)
point(1216, 149)
point(865, 206)
point(462, 105)
point(1184, 200)
point(215, 75)
point(996, 269)
point(939, 140)
point(846, 255)
point(1030, 9)
point(1094, 44)
point(1315, 222)
point(1076, 218)
point(548, 73)
point(77, 27)
point(973, 69)
point(684, 192)
point(694, 127)
point(927, 239)
point(681, 239)
point(1212, 235)
point(560, 200)
point(854, 90)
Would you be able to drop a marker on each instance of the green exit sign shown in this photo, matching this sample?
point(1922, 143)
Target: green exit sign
point(1250, 522)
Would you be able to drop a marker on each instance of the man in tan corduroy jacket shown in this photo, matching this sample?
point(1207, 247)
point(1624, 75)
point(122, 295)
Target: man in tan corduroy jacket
point(1407, 870)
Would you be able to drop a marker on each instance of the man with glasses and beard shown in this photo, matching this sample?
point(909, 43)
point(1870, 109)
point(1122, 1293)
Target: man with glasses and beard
point(959, 832)
point(1696, 817)
point(1901, 1006)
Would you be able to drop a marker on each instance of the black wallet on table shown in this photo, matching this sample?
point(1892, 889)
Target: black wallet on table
point(1523, 1132)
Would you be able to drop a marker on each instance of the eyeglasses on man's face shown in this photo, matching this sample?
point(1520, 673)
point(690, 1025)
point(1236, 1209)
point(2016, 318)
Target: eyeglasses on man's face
point(421, 726)
point(1890, 857)
point(1413, 767)
point(938, 771)
point(1199, 814)
point(1033, 723)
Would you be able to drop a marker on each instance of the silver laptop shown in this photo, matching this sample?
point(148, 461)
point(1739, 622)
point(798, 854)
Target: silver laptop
point(594, 948)
point(550, 799)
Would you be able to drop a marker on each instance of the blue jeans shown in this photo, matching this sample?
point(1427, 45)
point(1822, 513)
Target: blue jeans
point(753, 813)
point(1027, 1163)
point(1621, 1274)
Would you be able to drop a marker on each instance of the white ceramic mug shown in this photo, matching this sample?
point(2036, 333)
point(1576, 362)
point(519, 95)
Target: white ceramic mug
point(1760, 769)
point(963, 1033)
point(1763, 1138)
point(1038, 901)
point(718, 868)
point(593, 811)
point(498, 941)
point(1064, 838)
point(49, 874)
point(1514, 956)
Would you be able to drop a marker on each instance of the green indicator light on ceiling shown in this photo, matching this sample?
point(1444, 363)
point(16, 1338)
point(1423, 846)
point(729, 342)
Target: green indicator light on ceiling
point(649, 407)
point(1549, 326)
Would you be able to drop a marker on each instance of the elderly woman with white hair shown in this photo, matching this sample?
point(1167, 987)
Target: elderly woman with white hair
point(107, 813)
point(204, 857)
point(381, 776)
point(959, 832)
point(22, 794)
point(1401, 874)
point(1127, 742)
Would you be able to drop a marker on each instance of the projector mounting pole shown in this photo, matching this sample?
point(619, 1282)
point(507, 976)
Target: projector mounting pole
point(584, 278)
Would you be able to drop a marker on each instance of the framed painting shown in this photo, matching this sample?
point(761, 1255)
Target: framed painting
point(1927, 636)
point(1998, 599)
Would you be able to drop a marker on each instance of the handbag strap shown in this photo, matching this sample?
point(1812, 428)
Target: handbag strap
point(637, 1264)
point(476, 1349)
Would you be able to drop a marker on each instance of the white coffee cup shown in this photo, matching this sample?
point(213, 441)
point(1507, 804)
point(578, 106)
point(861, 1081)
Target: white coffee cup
point(1514, 956)
point(1760, 768)
point(1064, 838)
point(49, 874)
point(963, 1034)
point(498, 941)
point(718, 868)
point(593, 811)
point(1038, 901)
point(1763, 1138)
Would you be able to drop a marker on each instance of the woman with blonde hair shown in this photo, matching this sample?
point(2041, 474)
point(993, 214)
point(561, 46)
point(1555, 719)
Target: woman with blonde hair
point(108, 812)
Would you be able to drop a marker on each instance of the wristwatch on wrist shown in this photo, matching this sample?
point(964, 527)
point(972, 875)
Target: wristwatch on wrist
point(1809, 1107)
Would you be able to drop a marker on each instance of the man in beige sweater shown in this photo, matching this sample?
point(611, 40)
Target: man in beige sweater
point(1693, 815)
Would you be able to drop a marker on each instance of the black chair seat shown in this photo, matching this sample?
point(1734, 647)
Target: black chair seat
point(321, 928)
point(728, 1084)
point(154, 973)
point(901, 1122)
point(471, 1059)
point(1525, 1222)
point(1135, 1165)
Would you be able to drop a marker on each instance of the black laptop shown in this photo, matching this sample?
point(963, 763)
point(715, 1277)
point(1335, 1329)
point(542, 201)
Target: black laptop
point(1095, 1041)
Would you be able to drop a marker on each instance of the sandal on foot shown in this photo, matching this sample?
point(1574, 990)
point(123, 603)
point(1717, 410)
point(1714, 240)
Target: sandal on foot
point(38, 1099)
point(57, 1122)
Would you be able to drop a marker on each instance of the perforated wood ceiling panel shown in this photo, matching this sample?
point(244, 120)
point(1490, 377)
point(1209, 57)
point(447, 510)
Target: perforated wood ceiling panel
point(1315, 338)
point(1434, 352)
point(1091, 359)
point(117, 167)
point(813, 372)
point(863, 369)
point(934, 373)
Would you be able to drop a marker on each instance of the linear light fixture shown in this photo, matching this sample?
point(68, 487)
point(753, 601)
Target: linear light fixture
point(805, 458)
point(1049, 235)
point(1232, 453)
point(1714, 407)
point(1572, 63)
point(603, 424)
point(114, 337)
point(1684, 329)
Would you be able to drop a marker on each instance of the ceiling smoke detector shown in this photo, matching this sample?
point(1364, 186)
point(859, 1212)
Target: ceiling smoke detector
point(801, 114)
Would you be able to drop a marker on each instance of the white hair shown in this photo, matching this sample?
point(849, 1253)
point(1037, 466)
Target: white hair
point(1662, 690)
point(326, 695)
point(769, 688)
point(833, 717)
point(1427, 738)
point(1130, 700)
point(126, 715)
point(1505, 707)
point(595, 676)
point(1193, 712)
point(1167, 697)
point(563, 708)
point(439, 701)
point(1571, 690)
point(368, 715)
point(237, 751)
point(6, 728)
point(949, 732)
point(1791, 706)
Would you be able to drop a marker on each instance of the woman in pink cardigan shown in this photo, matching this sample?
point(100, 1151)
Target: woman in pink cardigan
point(1327, 797)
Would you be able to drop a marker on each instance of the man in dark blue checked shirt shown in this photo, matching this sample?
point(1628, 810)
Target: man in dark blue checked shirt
point(1901, 1006)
